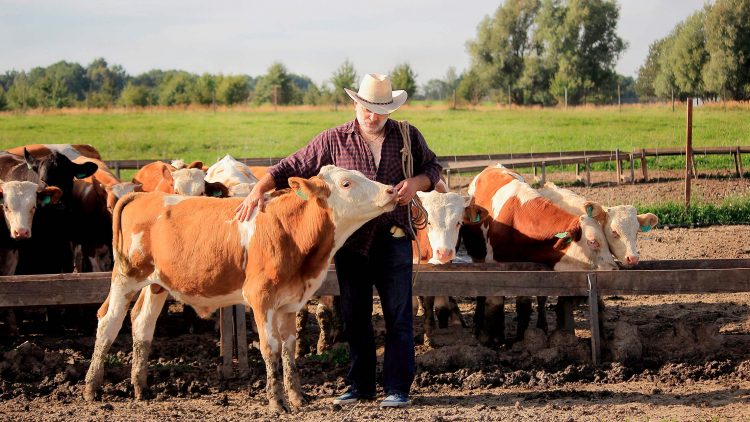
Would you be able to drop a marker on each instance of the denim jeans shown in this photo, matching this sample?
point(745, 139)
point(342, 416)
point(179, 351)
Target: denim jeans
point(389, 268)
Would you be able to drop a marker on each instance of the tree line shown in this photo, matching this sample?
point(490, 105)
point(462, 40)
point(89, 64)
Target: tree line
point(529, 52)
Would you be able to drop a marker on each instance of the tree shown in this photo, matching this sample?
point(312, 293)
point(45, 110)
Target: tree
point(232, 90)
point(727, 29)
point(134, 95)
point(688, 55)
point(275, 86)
point(648, 72)
point(403, 77)
point(205, 90)
point(20, 94)
point(502, 43)
point(177, 89)
point(104, 83)
point(344, 77)
point(313, 95)
point(664, 83)
point(3, 100)
point(434, 89)
point(471, 88)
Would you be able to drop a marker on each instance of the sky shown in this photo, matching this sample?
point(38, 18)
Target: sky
point(311, 38)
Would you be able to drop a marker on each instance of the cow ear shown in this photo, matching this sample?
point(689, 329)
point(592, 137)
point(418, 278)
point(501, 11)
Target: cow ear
point(81, 171)
point(474, 214)
point(596, 211)
point(196, 165)
point(166, 173)
point(441, 187)
point(49, 195)
point(303, 188)
point(1, 191)
point(216, 190)
point(31, 162)
point(647, 221)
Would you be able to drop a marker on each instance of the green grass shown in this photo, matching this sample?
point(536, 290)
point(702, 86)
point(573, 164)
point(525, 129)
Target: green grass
point(205, 135)
point(730, 211)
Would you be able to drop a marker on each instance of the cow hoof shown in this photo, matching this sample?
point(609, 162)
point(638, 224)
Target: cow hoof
point(278, 407)
point(297, 401)
point(89, 393)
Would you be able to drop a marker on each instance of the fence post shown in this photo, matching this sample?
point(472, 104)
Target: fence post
point(644, 165)
point(596, 352)
point(688, 152)
point(588, 173)
point(619, 165)
point(632, 169)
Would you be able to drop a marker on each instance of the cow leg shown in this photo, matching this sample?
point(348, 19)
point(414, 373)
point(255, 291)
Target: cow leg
point(493, 325)
point(428, 319)
point(106, 333)
point(523, 312)
point(564, 313)
point(143, 317)
point(292, 386)
point(270, 347)
point(329, 321)
point(541, 313)
point(301, 319)
point(456, 311)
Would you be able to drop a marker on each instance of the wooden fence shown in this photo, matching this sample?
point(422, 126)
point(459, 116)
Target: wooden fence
point(508, 279)
point(537, 161)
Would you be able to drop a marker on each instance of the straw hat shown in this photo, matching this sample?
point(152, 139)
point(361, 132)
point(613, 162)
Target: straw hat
point(375, 94)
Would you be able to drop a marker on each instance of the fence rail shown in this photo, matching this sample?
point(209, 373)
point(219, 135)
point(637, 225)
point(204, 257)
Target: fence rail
point(453, 164)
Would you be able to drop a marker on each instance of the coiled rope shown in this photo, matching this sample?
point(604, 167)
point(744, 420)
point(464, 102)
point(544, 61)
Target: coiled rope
point(418, 221)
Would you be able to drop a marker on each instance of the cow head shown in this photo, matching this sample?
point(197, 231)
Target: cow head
point(445, 214)
point(56, 169)
point(117, 191)
point(621, 228)
point(354, 198)
point(189, 181)
point(588, 247)
point(19, 201)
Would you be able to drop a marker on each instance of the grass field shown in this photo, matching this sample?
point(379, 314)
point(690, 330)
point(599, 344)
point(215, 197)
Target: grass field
point(251, 132)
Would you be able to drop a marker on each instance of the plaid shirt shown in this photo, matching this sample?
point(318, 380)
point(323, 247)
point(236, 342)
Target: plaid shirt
point(344, 147)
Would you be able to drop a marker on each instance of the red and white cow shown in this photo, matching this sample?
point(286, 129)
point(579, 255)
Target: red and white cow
point(178, 178)
point(236, 176)
point(621, 223)
point(436, 244)
point(516, 224)
point(194, 249)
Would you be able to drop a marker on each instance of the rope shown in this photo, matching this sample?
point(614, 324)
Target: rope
point(418, 221)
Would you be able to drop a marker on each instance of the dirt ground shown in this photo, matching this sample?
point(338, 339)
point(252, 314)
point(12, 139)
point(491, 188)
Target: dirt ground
point(683, 357)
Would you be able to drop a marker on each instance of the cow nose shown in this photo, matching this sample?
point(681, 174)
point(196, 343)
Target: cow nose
point(390, 191)
point(21, 233)
point(631, 259)
point(444, 254)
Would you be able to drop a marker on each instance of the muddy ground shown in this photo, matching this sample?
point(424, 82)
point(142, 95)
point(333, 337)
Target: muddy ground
point(681, 357)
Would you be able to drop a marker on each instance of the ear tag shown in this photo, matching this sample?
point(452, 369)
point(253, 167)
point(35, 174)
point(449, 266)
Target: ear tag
point(28, 165)
point(46, 200)
point(590, 211)
point(80, 175)
point(216, 193)
point(646, 228)
point(301, 194)
point(561, 235)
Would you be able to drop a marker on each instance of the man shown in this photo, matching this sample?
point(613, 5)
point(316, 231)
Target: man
point(380, 252)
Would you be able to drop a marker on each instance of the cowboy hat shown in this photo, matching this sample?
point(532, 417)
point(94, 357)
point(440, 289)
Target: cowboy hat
point(375, 94)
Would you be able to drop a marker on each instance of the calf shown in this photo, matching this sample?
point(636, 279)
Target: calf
point(162, 177)
point(236, 176)
point(194, 249)
point(515, 223)
point(436, 244)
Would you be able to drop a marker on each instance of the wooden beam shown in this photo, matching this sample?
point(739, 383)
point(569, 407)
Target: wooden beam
point(596, 349)
point(240, 339)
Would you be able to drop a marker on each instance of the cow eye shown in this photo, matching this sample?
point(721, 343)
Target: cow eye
point(346, 183)
point(615, 234)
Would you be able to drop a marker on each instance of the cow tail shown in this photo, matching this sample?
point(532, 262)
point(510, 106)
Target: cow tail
point(117, 240)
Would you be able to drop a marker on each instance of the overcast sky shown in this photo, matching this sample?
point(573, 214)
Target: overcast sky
point(310, 38)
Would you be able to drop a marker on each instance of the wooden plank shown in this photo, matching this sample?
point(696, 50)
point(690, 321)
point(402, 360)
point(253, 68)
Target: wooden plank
point(51, 290)
point(240, 339)
point(686, 281)
point(618, 162)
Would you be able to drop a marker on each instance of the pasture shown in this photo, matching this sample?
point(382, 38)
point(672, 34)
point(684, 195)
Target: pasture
point(202, 134)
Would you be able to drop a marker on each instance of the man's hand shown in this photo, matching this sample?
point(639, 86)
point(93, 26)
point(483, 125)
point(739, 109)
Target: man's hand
point(406, 189)
point(246, 207)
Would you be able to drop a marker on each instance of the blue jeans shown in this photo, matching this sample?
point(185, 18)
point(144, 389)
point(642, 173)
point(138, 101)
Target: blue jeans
point(389, 268)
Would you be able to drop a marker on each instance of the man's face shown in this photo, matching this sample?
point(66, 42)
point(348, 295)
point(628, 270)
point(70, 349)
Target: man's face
point(370, 122)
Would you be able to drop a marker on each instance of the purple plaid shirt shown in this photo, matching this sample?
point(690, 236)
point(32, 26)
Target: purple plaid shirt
point(344, 147)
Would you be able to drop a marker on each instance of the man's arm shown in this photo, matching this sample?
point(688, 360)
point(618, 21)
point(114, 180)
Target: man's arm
point(254, 198)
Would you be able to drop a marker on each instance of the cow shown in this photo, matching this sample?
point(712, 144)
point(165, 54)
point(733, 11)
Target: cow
point(236, 176)
point(620, 223)
point(194, 249)
point(435, 243)
point(515, 223)
point(92, 198)
point(159, 176)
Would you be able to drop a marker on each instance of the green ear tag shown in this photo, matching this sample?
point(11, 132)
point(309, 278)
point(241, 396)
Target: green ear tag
point(216, 193)
point(561, 235)
point(301, 194)
point(28, 165)
point(46, 200)
point(590, 211)
point(478, 218)
point(646, 228)
point(81, 175)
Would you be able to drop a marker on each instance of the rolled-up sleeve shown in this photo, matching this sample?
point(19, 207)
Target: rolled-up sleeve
point(306, 162)
point(425, 161)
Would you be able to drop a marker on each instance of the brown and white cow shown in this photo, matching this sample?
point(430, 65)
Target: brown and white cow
point(236, 176)
point(436, 244)
point(620, 223)
point(182, 180)
point(194, 249)
point(517, 224)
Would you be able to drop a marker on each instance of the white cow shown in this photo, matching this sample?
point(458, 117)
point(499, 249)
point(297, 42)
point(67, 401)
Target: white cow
point(233, 174)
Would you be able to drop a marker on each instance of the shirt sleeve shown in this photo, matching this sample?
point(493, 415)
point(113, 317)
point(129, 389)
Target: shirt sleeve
point(306, 162)
point(425, 161)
